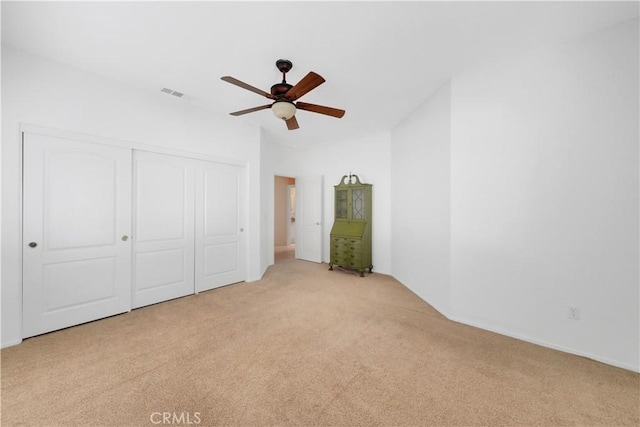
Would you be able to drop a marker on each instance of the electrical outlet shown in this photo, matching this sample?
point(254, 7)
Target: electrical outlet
point(573, 312)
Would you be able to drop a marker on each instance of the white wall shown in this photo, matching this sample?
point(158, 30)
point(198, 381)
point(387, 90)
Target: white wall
point(420, 200)
point(544, 196)
point(275, 160)
point(40, 92)
point(367, 157)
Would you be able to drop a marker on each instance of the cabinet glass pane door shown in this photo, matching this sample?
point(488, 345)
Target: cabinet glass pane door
point(341, 204)
point(357, 204)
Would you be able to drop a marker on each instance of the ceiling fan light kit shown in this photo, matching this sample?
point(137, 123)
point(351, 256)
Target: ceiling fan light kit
point(284, 95)
point(283, 109)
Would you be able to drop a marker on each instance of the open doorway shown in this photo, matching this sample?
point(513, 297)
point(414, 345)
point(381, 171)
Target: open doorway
point(284, 230)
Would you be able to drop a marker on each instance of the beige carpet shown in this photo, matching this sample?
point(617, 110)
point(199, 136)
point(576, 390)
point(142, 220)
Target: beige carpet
point(284, 253)
point(304, 346)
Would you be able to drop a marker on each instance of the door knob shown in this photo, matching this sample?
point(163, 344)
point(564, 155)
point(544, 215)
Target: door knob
point(33, 244)
point(125, 238)
point(241, 230)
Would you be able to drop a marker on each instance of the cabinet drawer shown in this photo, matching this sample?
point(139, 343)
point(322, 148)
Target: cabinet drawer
point(346, 262)
point(342, 243)
point(346, 251)
point(347, 255)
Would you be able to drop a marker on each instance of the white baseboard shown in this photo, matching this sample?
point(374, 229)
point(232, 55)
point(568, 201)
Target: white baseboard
point(553, 346)
point(528, 339)
point(10, 343)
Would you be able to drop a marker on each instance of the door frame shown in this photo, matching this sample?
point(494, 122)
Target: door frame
point(290, 228)
point(83, 137)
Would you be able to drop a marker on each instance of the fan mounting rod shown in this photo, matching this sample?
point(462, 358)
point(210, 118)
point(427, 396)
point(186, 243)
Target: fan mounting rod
point(284, 65)
point(279, 89)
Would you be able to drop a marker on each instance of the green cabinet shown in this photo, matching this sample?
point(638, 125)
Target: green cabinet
point(351, 232)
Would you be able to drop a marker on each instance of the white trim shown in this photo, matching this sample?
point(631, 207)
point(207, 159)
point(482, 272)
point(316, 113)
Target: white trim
point(11, 343)
point(524, 337)
point(544, 343)
point(20, 320)
point(83, 137)
point(288, 207)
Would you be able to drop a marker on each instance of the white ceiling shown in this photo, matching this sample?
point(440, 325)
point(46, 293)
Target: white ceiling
point(380, 59)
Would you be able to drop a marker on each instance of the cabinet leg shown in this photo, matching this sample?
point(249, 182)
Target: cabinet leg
point(362, 273)
point(330, 267)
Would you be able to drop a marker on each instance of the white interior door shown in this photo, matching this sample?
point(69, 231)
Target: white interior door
point(76, 213)
point(220, 242)
point(164, 225)
point(309, 218)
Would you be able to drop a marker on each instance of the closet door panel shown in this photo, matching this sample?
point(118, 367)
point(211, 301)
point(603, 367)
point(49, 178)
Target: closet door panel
point(164, 228)
point(219, 232)
point(160, 268)
point(221, 187)
point(220, 258)
point(77, 208)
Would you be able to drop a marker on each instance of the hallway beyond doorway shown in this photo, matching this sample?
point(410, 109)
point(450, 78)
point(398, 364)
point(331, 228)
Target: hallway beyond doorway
point(284, 253)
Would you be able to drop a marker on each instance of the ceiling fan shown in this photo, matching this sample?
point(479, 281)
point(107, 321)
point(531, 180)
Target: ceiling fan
point(284, 95)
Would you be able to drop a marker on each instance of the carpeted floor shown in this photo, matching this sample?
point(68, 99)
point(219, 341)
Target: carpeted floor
point(284, 253)
point(303, 346)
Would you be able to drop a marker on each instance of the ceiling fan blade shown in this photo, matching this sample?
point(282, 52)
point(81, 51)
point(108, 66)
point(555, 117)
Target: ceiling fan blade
point(250, 110)
point(246, 86)
point(308, 83)
point(292, 123)
point(333, 112)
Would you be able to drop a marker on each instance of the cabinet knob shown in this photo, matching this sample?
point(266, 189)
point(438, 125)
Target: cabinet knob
point(33, 244)
point(125, 238)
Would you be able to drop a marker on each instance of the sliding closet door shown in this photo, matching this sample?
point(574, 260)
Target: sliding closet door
point(220, 243)
point(77, 219)
point(84, 259)
point(163, 262)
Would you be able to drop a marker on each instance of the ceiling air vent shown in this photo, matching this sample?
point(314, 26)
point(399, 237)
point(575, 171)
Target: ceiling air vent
point(172, 92)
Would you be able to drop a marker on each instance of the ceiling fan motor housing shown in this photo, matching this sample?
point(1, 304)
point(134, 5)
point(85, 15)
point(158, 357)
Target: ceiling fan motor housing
point(279, 89)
